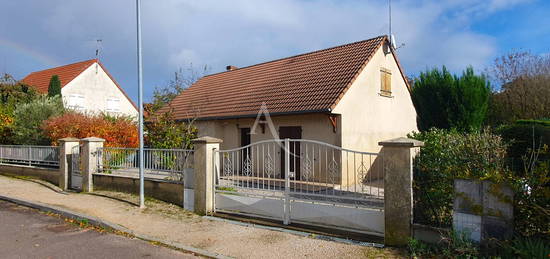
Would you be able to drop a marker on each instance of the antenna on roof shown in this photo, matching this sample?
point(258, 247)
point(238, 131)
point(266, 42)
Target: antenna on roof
point(97, 50)
point(389, 15)
point(391, 37)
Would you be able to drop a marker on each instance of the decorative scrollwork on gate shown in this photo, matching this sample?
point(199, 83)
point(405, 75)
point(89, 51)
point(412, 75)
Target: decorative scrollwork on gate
point(362, 172)
point(333, 170)
point(306, 168)
point(269, 165)
point(247, 167)
point(227, 166)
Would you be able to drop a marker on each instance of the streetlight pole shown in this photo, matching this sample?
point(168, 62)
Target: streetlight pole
point(140, 103)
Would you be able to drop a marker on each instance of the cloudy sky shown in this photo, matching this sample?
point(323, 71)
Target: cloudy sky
point(37, 34)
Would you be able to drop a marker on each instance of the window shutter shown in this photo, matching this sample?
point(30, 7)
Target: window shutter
point(385, 81)
point(388, 82)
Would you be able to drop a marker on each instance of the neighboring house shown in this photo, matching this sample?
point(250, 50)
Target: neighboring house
point(85, 86)
point(351, 96)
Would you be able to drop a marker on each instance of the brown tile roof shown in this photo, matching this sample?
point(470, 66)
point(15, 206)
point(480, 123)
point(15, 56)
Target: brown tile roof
point(312, 82)
point(41, 79)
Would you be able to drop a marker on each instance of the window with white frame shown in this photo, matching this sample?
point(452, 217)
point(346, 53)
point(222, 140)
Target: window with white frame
point(113, 104)
point(75, 101)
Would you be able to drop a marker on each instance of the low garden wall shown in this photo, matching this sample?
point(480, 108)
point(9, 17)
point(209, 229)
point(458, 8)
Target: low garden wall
point(168, 191)
point(46, 174)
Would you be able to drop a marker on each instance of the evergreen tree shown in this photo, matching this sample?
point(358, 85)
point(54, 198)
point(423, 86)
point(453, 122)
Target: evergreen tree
point(55, 86)
point(446, 101)
point(472, 101)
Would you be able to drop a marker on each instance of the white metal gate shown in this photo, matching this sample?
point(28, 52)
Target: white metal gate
point(76, 175)
point(302, 181)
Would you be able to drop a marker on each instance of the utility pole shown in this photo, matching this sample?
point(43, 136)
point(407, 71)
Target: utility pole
point(140, 101)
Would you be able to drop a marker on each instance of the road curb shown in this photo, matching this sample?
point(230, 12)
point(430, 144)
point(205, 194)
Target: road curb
point(94, 221)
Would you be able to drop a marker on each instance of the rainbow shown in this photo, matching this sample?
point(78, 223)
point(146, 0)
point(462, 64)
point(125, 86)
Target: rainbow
point(28, 52)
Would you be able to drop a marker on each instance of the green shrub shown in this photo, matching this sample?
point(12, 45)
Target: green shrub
point(521, 247)
point(28, 120)
point(532, 196)
point(456, 245)
point(530, 161)
point(525, 135)
point(164, 132)
point(448, 155)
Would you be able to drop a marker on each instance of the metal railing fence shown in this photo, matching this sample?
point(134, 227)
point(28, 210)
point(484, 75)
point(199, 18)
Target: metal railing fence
point(167, 164)
point(316, 170)
point(42, 156)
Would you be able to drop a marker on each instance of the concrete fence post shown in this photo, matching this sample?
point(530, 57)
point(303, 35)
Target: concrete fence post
point(89, 160)
point(398, 157)
point(204, 173)
point(65, 151)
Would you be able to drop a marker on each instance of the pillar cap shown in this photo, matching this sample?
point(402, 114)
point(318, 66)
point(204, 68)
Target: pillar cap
point(401, 142)
point(93, 139)
point(206, 140)
point(69, 139)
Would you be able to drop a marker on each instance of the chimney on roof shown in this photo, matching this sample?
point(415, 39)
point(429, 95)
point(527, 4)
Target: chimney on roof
point(230, 68)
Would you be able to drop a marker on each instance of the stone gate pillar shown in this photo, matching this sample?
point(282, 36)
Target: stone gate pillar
point(65, 151)
point(204, 173)
point(398, 157)
point(89, 157)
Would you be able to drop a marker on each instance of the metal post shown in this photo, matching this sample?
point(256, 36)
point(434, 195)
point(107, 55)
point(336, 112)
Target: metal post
point(216, 163)
point(30, 160)
point(140, 103)
point(286, 219)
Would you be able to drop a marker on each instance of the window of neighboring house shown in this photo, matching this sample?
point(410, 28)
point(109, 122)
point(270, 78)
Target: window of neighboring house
point(113, 104)
point(75, 101)
point(385, 82)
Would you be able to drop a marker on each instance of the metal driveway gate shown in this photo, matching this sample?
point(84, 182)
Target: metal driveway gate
point(302, 181)
point(76, 174)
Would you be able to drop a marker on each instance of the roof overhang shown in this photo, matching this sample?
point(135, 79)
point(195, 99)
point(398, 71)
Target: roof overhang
point(254, 115)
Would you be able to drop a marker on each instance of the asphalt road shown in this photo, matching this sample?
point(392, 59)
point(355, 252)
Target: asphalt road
point(27, 233)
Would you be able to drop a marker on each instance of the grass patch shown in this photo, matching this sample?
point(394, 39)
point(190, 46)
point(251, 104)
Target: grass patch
point(20, 177)
point(226, 189)
point(154, 206)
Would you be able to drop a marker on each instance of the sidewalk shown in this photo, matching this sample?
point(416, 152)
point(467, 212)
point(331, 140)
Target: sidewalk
point(173, 224)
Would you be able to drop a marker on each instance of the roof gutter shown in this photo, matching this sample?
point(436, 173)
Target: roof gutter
point(327, 110)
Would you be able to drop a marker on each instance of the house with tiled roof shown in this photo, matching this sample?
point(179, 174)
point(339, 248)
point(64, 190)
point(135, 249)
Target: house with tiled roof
point(85, 86)
point(351, 96)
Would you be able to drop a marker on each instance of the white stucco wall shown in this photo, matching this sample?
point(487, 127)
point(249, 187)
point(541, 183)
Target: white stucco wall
point(368, 117)
point(96, 87)
point(314, 127)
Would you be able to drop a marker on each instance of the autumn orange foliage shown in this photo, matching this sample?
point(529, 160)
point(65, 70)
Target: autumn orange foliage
point(117, 132)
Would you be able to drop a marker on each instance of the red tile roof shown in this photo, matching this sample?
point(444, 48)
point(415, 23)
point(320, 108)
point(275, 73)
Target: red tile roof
point(312, 82)
point(41, 79)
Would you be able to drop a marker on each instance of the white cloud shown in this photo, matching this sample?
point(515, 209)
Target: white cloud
point(245, 32)
point(496, 5)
